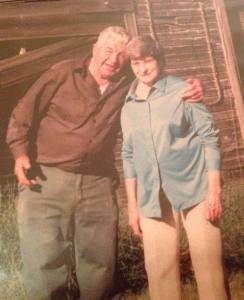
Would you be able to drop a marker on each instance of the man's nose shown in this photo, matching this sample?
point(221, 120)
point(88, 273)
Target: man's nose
point(113, 58)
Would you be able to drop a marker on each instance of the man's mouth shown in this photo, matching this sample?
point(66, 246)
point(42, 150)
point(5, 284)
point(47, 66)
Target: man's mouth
point(111, 67)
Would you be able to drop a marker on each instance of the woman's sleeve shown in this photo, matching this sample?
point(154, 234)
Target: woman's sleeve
point(127, 147)
point(203, 124)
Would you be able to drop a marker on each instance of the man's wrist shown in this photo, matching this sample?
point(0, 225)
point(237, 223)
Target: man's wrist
point(132, 204)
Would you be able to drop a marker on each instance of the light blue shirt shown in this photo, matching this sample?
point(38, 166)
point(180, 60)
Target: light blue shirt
point(168, 144)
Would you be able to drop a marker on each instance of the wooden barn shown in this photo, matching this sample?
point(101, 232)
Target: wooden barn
point(201, 38)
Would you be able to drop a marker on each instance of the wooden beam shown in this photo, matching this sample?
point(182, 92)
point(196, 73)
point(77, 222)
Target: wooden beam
point(231, 62)
point(64, 7)
point(21, 68)
point(31, 27)
point(130, 23)
point(234, 3)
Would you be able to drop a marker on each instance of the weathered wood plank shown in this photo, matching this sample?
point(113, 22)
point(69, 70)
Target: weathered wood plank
point(64, 7)
point(60, 18)
point(21, 68)
point(234, 3)
point(231, 63)
point(57, 26)
point(242, 20)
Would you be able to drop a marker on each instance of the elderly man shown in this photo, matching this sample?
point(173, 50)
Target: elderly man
point(61, 135)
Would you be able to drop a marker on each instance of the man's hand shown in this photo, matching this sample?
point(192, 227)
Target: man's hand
point(22, 165)
point(213, 206)
point(133, 212)
point(134, 221)
point(194, 91)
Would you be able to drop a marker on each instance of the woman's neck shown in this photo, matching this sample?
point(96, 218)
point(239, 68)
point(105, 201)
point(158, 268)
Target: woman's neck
point(142, 90)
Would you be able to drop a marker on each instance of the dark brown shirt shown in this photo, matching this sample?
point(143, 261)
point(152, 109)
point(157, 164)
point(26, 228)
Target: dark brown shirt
point(73, 125)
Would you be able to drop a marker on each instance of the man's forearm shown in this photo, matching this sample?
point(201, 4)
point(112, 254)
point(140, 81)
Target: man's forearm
point(133, 212)
point(131, 187)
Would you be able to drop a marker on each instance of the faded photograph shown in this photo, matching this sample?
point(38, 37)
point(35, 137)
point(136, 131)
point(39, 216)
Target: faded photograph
point(121, 158)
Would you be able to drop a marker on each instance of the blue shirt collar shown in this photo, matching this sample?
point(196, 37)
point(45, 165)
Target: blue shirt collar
point(160, 84)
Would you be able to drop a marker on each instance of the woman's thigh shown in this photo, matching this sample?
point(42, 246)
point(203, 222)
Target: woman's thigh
point(204, 236)
point(161, 250)
point(161, 238)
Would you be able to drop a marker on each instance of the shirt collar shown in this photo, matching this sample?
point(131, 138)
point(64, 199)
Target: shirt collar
point(81, 65)
point(160, 84)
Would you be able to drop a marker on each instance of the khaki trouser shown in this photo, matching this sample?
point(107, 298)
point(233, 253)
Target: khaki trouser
point(65, 209)
point(161, 247)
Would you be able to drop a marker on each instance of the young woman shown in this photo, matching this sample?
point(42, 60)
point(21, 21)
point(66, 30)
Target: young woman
point(171, 163)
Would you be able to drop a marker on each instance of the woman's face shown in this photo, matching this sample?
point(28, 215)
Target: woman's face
point(146, 69)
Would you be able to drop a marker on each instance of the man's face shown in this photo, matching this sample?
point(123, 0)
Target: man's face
point(146, 69)
point(109, 58)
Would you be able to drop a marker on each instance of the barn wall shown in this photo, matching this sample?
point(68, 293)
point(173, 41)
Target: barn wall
point(242, 20)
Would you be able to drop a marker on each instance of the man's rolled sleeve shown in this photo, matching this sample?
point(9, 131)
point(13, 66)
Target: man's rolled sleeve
point(28, 110)
point(20, 149)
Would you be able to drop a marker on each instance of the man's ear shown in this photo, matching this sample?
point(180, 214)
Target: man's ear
point(94, 47)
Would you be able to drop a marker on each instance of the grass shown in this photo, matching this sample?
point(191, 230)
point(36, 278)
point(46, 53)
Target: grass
point(131, 266)
point(11, 286)
point(189, 290)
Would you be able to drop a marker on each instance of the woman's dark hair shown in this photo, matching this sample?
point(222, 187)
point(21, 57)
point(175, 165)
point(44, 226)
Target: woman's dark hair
point(143, 46)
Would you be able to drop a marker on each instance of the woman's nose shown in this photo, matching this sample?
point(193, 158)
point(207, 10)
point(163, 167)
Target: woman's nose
point(142, 68)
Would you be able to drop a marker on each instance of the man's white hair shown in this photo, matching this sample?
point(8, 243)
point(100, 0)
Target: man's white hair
point(116, 33)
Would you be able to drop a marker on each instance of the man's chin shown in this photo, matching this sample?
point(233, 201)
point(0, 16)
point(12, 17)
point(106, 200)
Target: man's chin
point(108, 75)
